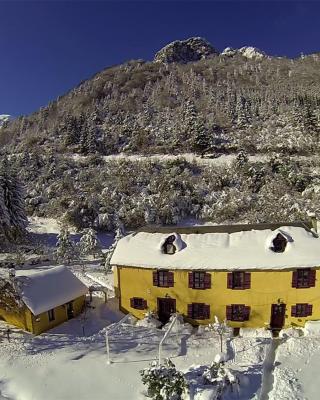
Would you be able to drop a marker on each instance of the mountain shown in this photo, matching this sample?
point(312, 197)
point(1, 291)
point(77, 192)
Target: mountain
point(184, 51)
point(190, 99)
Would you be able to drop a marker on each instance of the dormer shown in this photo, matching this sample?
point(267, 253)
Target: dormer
point(171, 244)
point(279, 243)
point(168, 246)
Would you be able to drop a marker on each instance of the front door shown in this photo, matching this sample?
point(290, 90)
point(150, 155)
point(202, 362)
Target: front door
point(278, 312)
point(166, 307)
point(70, 311)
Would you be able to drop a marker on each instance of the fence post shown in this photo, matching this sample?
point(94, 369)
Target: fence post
point(165, 337)
point(109, 329)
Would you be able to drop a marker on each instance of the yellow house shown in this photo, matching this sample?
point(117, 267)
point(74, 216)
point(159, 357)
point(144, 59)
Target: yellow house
point(40, 301)
point(262, 275)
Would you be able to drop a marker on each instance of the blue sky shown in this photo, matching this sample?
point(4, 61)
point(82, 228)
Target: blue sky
point(48, 47)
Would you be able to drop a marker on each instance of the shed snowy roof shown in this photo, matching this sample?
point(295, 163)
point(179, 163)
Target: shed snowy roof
point(45, 290)
point(221, 251)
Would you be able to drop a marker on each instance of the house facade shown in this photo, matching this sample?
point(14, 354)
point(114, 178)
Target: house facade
point(42, 300)
point(252, 276)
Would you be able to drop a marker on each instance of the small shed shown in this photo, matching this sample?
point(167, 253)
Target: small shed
point(39, 301)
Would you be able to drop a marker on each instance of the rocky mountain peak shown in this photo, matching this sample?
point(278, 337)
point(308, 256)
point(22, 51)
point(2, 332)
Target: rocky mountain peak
point(246, 51)
point(184, 51)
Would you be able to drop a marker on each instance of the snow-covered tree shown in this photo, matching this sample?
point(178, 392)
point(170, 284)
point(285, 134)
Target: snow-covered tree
point(202, 140)
point(221, 378)
point(164, 382)
point(108, 254)
point(10, 299)
point(221, 329)
point(89, 243)
point(65, 249)
point(13, 219)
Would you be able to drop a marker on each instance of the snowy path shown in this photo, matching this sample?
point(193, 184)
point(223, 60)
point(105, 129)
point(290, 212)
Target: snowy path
point(225, 159)
point(268, 368)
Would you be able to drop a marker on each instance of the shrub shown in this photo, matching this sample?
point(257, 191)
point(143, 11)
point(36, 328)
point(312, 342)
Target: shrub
point(164, 382)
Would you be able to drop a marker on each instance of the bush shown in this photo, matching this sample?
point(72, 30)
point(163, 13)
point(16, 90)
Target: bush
point(164, 382)
point(220, 377)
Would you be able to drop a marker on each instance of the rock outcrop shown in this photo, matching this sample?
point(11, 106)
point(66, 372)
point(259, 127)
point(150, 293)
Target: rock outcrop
point(246, 51)
point(184, 51)
point(4, 118)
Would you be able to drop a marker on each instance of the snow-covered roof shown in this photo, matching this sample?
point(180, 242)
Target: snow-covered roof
point(45, 290)
point(221, 251)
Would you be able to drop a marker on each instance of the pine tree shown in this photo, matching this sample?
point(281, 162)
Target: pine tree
point(89, 243)
point(202, 140)
point(12, 212)
point(91, 144)
point(65, 247)
point(109, 253)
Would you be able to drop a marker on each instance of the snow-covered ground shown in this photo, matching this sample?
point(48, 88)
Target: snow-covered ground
point(65, 364)
point(296, 369)
point(46, 230)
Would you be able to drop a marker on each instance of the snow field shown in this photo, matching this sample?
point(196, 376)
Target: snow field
point(65, 364)
point(296, 369)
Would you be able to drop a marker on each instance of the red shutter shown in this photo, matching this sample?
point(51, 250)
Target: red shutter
point(132, 302)
point(145, 304)
point(155, 278)
point(170, 279)
point(246, 313)
point(206, 311)
point(312, 278)
point(229, 280)
point(294, 279)
point(190, 279)
point(229, 313)
point(207, 281)
point(293, 311)
point(190, 311)
point(309, 310)
point(247, 280)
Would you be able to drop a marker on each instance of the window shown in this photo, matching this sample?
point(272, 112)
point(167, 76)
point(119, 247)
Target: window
point(239, 280)
point(304, 278)
point(138, 303)
point(51, 315)
point(279, 243)
point(168, 246)
point(199, 280)
point(163, 278)
point(198, 311)
point(301, 310)
point(237, 312)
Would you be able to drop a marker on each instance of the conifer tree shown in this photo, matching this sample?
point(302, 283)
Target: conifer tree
point(89, 243)
point(65, 247)
point(12, 212)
